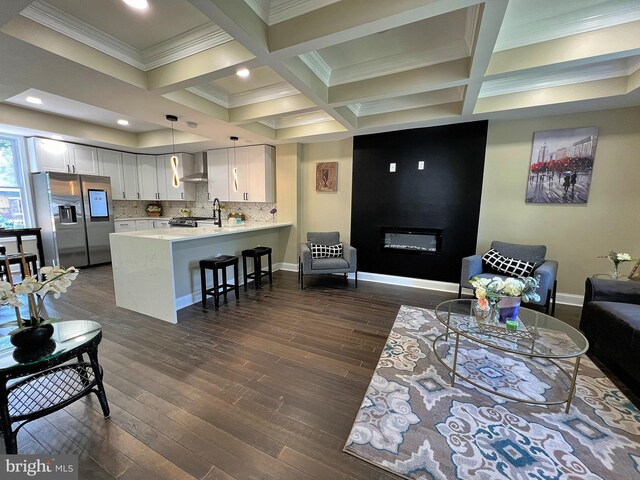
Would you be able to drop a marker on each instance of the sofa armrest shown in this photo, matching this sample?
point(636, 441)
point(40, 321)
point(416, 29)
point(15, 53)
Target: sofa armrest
point(471, 266)
point(606, 290)
point(350, 254)
point(305, 257)
point(545, 274)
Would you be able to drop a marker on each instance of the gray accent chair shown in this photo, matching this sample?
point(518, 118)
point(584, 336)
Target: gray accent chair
point(313, 266)
point(545, 271)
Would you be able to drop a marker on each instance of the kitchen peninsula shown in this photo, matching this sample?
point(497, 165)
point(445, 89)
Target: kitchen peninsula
point(157, 272)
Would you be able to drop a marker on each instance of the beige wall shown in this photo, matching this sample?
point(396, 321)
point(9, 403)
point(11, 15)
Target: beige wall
point(574, 234)
point(323, 211)
point(287, 166)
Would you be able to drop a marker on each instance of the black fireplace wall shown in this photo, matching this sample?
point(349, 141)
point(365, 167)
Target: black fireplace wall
point(446, 195)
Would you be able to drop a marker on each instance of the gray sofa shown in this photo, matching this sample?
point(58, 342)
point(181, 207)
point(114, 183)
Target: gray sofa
point(611, 322)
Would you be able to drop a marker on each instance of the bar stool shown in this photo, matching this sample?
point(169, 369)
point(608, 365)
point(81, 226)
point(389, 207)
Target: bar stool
point(256, 254)
point(215, 264)
point(16, 259)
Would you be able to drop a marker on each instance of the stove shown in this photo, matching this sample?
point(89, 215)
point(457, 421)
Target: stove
point(191, 221)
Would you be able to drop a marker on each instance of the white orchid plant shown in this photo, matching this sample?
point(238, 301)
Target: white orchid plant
point(490, 290)
point(618, 258)
point(56, 281)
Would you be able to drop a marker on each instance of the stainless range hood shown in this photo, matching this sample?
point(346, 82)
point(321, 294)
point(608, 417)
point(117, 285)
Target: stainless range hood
point(200, 174)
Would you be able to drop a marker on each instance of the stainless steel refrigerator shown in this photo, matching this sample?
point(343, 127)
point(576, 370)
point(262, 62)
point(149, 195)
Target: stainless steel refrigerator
point(76, 217)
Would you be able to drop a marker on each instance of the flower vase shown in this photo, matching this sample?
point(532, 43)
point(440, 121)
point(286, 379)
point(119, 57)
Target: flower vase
point(508, 308)
point(615, 273)
point(31, 336)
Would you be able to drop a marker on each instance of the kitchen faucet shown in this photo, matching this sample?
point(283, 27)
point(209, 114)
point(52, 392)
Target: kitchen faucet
point(217, 214)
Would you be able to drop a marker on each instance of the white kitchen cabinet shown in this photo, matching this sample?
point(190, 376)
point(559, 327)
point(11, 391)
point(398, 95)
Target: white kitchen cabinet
point(110, 165)
point(161, 224)
point(124, 225)
point(184, 191)
point(83, 159)
point(122, 169)
point(55, 156)
point(250, 175)
point(155, 177)
point(147, 179)
point(218, 174)
point(48, 155)
point(144, 224)
point(130, 176)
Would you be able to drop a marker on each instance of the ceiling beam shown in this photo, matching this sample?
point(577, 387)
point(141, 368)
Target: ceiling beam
point(411, 116)
point(434, 77)
point(346, 20)
point(554, 95)
point(607, 43)
point(271, 108)
point(490, 18)
point(199, 68)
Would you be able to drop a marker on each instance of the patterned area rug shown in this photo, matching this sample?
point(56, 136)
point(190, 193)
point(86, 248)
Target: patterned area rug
point(414, 424)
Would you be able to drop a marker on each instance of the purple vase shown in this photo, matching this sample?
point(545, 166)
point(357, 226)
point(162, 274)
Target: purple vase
point(509, 307)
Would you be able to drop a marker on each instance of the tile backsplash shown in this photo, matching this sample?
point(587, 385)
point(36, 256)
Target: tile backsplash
point(255, 212)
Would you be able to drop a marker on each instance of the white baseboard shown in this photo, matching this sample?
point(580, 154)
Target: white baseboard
point(288, 267)
point(408, 282)
point(561, 298)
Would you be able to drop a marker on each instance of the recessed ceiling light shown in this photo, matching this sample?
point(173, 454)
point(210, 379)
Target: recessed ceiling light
point(35, 100)
point(138, 4)
point(56, 137)
point(123, 122)
point(243, 72)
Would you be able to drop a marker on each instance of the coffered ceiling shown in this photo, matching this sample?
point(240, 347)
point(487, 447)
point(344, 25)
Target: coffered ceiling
point(318, 69)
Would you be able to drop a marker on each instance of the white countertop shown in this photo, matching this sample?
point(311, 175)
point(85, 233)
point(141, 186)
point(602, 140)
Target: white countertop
point(178, 234)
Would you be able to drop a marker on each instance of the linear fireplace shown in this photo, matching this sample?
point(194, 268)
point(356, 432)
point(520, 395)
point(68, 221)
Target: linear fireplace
point(415, 240)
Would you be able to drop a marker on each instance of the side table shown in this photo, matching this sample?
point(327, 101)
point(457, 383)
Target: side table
point(49, 378)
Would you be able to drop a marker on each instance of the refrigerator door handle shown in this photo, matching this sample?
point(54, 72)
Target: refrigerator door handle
point(74, 168)
point(68, 169)
point(138, 194)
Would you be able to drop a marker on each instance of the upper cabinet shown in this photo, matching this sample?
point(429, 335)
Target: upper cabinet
point(218, 174)
point(155, 177)
point(165, 173)
point(249, 175)
point(83, 159)
point(54, 156)
point(122, 169)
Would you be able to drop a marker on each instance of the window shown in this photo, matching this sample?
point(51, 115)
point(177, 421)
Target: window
point(13, 208)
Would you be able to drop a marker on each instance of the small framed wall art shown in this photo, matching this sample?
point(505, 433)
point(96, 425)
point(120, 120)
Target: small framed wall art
point(327, 177)
point(561, 165)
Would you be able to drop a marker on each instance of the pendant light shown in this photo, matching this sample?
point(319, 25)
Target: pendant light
point(173, 161)
point(234, 139)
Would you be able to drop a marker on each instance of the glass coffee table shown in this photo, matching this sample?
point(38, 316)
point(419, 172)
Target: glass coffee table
point(539, 336)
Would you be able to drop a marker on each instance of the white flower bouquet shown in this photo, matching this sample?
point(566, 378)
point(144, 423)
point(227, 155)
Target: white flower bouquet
point(490, 290)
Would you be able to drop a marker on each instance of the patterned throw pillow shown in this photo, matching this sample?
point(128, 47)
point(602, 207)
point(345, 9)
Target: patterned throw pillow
point(325, 251)
point(506, 265)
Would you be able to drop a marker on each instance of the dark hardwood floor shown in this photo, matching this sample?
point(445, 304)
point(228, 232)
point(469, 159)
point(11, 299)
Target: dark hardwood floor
point(265, 388)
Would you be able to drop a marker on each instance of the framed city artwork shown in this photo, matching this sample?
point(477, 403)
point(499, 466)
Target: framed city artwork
point(327, 177)
point(561, 165)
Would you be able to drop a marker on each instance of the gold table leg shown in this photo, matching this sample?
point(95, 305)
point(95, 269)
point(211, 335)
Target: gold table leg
point(455, 360)
point(573, 384)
